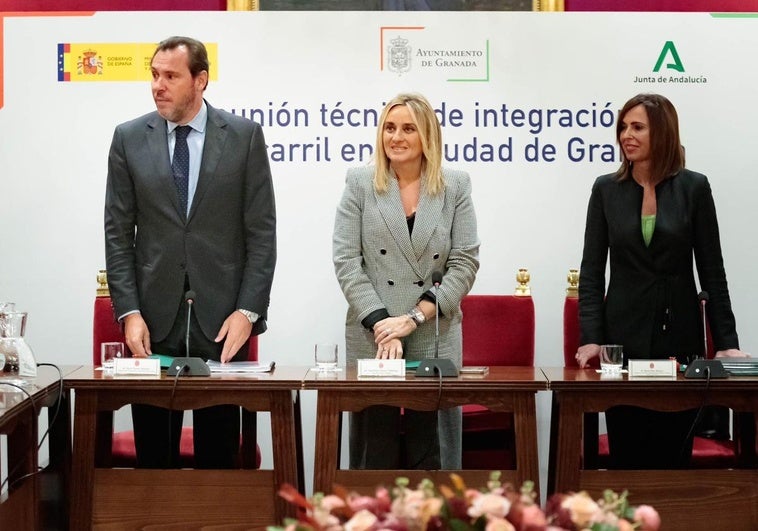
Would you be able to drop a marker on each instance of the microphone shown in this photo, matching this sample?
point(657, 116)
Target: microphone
point(443, 366)
point(189, 298)
point(702, 298)
point(436, 281)
point(191, 366)
point(701, 367)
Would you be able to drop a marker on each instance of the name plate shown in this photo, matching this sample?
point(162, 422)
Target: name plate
point(381, 368)
point(658, 369)
point(137, 367)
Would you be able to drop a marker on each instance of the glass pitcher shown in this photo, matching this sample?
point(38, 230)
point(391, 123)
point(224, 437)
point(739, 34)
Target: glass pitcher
point(4, 308)
point(13, 347)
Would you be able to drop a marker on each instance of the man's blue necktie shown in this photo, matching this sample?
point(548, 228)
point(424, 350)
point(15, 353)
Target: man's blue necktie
point(180, 164)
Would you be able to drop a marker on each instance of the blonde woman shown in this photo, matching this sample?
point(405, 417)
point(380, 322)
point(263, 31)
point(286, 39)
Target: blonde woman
point(398, 222)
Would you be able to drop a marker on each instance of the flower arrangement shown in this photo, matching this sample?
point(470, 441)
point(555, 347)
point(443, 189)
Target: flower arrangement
point(497, 507)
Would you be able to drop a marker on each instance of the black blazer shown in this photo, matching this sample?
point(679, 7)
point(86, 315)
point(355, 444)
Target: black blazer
point(226, 245)
point(651, 305)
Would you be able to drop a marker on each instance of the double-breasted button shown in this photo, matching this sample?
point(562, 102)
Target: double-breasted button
point(391, 282)
point(436, 256)
point(419, 283)
point(382, 251)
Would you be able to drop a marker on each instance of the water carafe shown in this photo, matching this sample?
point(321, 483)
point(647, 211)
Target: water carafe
point(19, 357)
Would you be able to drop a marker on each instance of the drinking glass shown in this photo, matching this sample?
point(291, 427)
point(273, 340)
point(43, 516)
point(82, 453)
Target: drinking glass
point(611, 358)
point(326, 356)
point(109, 352)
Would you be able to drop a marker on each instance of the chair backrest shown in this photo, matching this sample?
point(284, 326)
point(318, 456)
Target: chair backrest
point(106, 328)
point(498, 330)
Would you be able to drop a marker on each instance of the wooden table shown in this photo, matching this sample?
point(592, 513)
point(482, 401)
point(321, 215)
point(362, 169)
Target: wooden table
point(27, 503)
point(686, 499)
point(186, 498)
point(509, 389)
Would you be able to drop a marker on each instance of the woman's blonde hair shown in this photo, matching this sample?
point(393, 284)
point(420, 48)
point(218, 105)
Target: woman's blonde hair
point(430, 135)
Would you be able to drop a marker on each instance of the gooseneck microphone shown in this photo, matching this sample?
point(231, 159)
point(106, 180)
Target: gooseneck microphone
point(189, 298)
point(701, 367)
point(436, 281)
point(189, 366)
point(437, 366)
point(702, 298)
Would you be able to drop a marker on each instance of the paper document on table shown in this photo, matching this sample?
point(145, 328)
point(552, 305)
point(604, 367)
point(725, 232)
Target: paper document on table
point(240, 366)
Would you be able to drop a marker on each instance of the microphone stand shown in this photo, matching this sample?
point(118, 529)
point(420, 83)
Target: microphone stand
point(189, 366)
point(190, 302)
point(705, 330)
point(701, 367)
point(442, 366)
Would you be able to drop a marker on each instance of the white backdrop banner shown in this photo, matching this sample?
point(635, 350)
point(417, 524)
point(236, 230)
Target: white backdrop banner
point(527, 101)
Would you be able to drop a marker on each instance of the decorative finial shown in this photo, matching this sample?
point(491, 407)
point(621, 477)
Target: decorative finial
point(572, 290)
point(102, 284)
point(522, 288)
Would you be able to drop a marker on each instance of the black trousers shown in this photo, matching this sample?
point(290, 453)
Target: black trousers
point(383, 439)
point(641, 439)
point(216, 429)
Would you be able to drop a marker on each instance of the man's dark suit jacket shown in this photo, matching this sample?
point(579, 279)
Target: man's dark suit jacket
point(226, 246)
point(651, 306)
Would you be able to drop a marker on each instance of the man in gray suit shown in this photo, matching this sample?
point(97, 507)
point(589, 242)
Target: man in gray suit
point(207, 224)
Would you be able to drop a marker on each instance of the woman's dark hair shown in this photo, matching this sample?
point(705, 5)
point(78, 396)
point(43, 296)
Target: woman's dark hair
point(666, 151)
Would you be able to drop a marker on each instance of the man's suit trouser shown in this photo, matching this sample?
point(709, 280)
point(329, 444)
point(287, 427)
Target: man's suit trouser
point(216, 429)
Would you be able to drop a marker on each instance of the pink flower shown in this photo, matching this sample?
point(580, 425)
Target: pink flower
point(648, 518)
point(358, 503)
point(532, 515)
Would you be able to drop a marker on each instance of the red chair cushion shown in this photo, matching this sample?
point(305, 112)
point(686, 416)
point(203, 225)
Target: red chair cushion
point(711, 453)
point(706, 453)
point(124, 455)
point(478, 418)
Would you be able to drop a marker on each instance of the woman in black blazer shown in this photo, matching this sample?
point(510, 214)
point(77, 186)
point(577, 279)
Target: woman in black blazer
point(653, 215)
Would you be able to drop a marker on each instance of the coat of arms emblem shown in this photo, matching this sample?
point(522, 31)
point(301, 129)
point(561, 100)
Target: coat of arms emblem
point(399, 55)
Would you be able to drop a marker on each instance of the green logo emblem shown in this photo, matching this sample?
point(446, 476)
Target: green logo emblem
point(669, 49)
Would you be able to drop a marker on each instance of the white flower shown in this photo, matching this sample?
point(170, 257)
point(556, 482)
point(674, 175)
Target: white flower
point(361, 521)
point(490, 505)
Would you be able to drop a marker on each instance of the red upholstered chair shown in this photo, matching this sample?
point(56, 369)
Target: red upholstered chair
point(497, 330)
point(706, 452)
point(123, 454)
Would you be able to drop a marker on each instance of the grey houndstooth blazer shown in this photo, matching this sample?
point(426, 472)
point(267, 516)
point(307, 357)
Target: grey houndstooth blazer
point(379, 265)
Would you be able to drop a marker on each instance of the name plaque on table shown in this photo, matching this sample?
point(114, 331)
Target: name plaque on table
point(373, 368)
point(137, 367)
point(658, 369)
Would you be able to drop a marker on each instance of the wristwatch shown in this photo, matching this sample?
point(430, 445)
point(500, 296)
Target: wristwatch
point(416, 315)
point(251, 316)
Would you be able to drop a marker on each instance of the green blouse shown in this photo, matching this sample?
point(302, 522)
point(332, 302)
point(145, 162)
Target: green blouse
point(648, 226)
